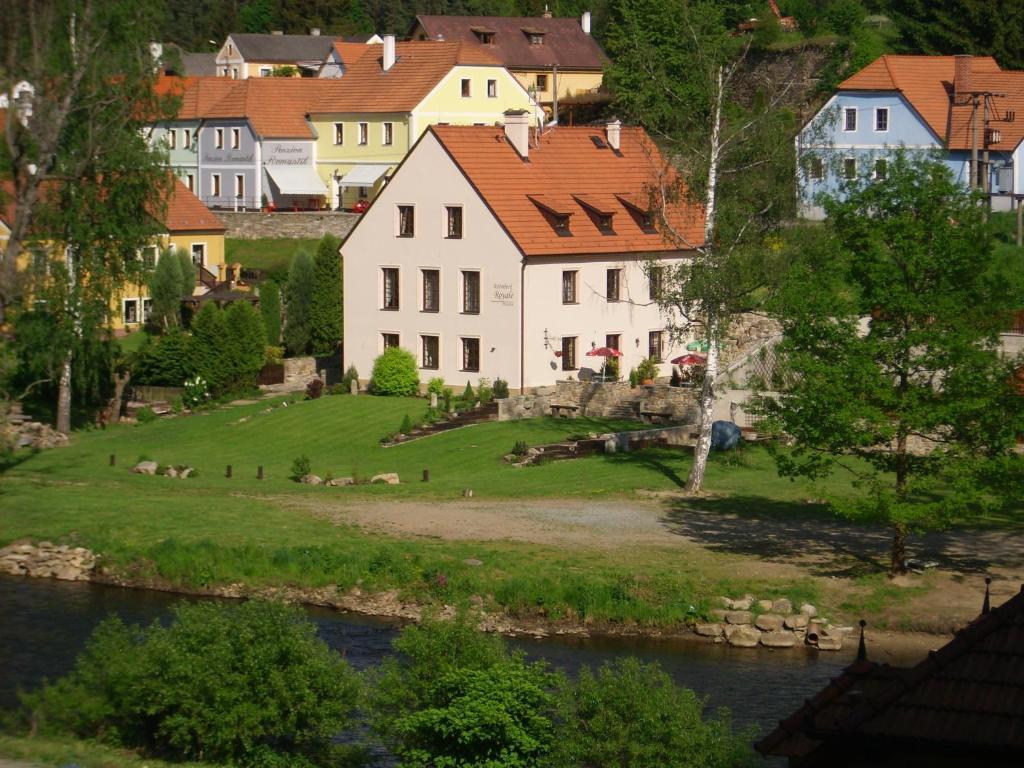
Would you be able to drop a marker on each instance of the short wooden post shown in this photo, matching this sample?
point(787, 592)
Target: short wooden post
point(353, 386)
point(227, 472)
point(113, 460)
point(426, 475)
point(259, 472)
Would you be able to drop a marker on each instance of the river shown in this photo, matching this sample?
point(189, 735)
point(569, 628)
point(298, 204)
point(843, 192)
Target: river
point(44, 624)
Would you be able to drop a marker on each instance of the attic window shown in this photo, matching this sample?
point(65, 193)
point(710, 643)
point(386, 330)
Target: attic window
point(600, 212)
point(598, 142)
point(555, 212)
point(534, 35)
point(640, 212)
point(484, 35)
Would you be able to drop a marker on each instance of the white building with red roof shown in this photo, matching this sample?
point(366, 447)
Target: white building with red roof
point(497, 252)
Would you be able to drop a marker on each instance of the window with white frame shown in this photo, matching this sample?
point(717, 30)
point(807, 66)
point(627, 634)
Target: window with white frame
point(431, 290)
point(218, 138)
point(470, 354)
point(131, 311)
point(492, 89)
point(199, 254)
point(389, 340)
point(406, 221)
point(850, 119)
point(431, 346)
point(389, 299)
point(612, 340)
point(364, 134)
point(655, 345)
point(849, 168)
point(453, 222)
point(265, 71)
point(388, 134)
point(215, 184)
point(172, 139)
point(236, 138)
point(470, 292)
point(881, 119)
point(339, 133)
point(239, 186)
point(881, 169)
point(569, 286)
point(150, 255)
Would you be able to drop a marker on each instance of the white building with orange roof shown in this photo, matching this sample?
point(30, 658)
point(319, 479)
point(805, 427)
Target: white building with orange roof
point(496, 252)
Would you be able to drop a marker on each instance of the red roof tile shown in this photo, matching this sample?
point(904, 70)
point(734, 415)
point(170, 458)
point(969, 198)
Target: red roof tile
point(186, 213)
point(569, 172)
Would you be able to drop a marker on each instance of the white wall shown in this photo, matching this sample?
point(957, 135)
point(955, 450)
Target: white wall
point(430, 181)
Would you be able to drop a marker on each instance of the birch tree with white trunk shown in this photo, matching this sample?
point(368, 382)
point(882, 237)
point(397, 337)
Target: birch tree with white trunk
point(722, 114)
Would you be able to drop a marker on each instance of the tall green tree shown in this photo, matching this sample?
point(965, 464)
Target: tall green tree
point(165, 291)
point(890, 366)
point(187, 267)
point(270, 310)
point(727, 131)
point(242, 350)
point(299, 303)
point(84, 175)
point(979, 27)
point(208, 335)
point(325, 315)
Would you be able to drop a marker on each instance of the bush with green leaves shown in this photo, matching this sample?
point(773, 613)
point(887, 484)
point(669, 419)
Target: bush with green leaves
point(648, 369)
point(395, 373)
point(435, 386)
point(270, 311)
point(246, 684)
point(165, 291)
point(188, 271)
point(632, 715)
point(520, 447)
point(500, 389)
point(634, 377)
point(196, 392)
point(162, 360)
point(325, 313)
point(484, 392)
point(299, 303)
point(468, 395)
point(314, 389)
point(346, 381)
point(243, 350)
point(146, 415)
point(301, 466)
point(406, 426)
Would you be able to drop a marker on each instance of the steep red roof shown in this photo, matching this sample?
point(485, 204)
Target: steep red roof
point(564, 41)
point(418, 67)
point(186, 213)
point(350, 53)
point(1011, 132)
point(571, 171)
point(925, 81)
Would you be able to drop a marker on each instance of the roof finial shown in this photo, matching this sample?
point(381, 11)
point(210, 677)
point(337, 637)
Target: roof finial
point(862, 651)
point(986, 606)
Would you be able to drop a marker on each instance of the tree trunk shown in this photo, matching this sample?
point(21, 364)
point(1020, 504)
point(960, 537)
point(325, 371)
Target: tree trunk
point(695, 482)
point(120, 382)
point(898, 564)
point(64, 397)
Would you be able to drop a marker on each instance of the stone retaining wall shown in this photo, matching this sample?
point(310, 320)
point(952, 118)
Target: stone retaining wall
point(604, 400)
point(303, 224)
point(47, 560)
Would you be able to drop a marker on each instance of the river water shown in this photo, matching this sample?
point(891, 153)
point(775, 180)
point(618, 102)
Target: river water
point(44, 624)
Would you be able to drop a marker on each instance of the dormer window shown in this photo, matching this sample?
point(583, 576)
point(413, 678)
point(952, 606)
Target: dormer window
point(639, 211)
point(601, 211)
point(556, 211)
point(484, 35)
point(561, 223)
point(534, 35)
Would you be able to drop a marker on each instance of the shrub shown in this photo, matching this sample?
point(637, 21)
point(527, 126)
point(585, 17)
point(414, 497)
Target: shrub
point(209, 333)
point(406, 426)
point(484, 393)
point(468, 396)
point(243, 349)
point(634, 377)
point(145, 415)
point(435, 386)
point(325, 310)
point(447, 396)
point(197, 392)
point(395, 373)
point(189, 272)
point(520, 448)
point(301, 467)
point(314, 389)
point(165, 291)
point(648, 369)
point(337, 389)
point(162, 360)
point(270, 311)
point(611, 369)
point(500, 389)
point(632, 714)
point(350, 375)
point(247, 684)
point(301, 285)
point(273, 355)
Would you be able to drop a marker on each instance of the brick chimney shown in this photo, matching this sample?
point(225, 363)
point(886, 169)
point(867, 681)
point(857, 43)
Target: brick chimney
point(517, 131)
point(585, 22)
point(547, 13)
point(389, 52)
point(962, 79)
point(613, 133)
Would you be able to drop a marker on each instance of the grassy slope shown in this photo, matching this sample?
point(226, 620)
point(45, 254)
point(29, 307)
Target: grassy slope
point(273, 255)
point(85, 754)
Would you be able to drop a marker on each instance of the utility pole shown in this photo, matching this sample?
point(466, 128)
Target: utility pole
point(986, 181)
point(554, 93)
point(974, 141)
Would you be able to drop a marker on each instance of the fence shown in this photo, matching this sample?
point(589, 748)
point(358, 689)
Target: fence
point(147, 394)
point(271, 374)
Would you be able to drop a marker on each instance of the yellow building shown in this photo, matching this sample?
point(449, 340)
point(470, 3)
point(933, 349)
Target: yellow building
point(257, 55)
point(548, 56)
point(187, 225)
point(367, 125)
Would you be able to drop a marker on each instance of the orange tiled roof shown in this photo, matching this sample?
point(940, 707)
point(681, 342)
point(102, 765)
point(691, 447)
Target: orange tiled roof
point(569, 173)
point(1011, 133)
point(925, 81)
point(186, 213)
point(419, 66)
point(350, 53)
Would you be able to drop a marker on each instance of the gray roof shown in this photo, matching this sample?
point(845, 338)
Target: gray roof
point(199, 64)
point(285, 48)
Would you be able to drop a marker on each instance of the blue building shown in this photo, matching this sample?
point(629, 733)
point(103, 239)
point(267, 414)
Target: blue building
point(947, 105)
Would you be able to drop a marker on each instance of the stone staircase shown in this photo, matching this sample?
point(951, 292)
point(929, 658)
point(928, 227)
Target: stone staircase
point(485, 412)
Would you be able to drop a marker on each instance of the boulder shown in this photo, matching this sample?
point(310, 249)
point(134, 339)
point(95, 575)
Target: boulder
point(311, 480)
point(769, 622)
point(336, 481)
point(725, 602)
point(391, 478)
point(796, 621)
point(778, 639)
point(145, 468)
point(472, 561)
point(717, 613)
point(808, 610)
point(709, 630)
point(745, 637)
point(738, 617)
point(764, 606)
point(170, 472)
point(745, 603)
point(783, 606)
point(185, 472)
point(830, 643)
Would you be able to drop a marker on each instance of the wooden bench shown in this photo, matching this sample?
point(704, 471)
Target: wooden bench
point(564, 410)
point(656, 417)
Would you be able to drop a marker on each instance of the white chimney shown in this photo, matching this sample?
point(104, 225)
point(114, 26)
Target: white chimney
point(389, 52)
point(517, 131)
point(277, 32)
point(613, 130)
point(585, 22)
point(315, 31)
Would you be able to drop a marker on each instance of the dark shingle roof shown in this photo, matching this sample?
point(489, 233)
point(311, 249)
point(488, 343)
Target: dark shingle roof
point(199, 64)
point(285, 48)
point(565, 42)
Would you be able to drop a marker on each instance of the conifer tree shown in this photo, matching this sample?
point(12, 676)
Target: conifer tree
point(326, 308)
point(165, 291)
point(299, 301)
point(270, 310)
point(188, 271)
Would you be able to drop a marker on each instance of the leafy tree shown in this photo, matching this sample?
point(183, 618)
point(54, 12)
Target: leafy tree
point(246, 684)
point(187, 267)
point(632, 715)
point(979, 27)
point(889, 366)
point(163, 361)
point(165, 291)
point(242, 350)
point(326, 310)
point(270, 310)
point(205, 347)
point(257, 16)
point(678, 70)
point(395, 373)
point(299, 303)
point(69, 129)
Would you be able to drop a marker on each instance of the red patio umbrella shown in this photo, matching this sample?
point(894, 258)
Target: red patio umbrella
point(690, 359)
point(604, 352)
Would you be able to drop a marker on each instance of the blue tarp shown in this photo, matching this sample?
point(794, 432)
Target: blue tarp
point(725, 436)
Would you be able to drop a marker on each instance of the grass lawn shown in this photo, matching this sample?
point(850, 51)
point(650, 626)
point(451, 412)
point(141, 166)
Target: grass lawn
point(132, 342)
point(84, 754)
point(272, 255)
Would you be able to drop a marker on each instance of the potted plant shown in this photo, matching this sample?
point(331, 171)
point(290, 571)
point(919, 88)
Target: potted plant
point(647, 370)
